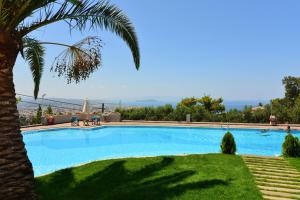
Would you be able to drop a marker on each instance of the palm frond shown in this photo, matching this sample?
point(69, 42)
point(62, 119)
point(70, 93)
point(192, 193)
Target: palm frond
point(90, 15)
point(34, 55)
point(4, 13)
point(75, 1)
point(13, 13)
point(78, 61)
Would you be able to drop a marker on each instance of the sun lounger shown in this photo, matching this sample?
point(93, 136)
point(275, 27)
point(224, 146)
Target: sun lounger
point(74, 121)
point(96, 120)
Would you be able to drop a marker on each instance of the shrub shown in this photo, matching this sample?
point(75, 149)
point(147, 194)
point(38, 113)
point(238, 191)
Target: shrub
point(228, 144)
point(291, 146)
point(49, 110)
point(233, 115)
point(38, 117)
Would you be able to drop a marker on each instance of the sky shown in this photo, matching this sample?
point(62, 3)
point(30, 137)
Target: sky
point(238, 50)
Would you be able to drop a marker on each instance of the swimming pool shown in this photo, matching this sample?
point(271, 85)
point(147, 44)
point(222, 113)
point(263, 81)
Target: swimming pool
point(51, 150)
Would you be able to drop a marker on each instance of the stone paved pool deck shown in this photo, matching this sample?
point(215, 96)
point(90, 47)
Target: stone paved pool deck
point(177, 124)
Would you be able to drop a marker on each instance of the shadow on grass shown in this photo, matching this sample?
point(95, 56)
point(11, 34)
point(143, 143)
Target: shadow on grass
point(116, 182)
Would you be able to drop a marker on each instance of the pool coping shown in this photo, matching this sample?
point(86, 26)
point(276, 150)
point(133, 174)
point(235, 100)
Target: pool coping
point(166, 124)
point(91, 128)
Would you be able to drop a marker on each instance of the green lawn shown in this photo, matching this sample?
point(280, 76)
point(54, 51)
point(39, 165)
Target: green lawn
point(295, 162)
point(212, 176)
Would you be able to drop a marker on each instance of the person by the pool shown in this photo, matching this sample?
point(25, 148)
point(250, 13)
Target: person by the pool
point(264, 130)
point(288, 129)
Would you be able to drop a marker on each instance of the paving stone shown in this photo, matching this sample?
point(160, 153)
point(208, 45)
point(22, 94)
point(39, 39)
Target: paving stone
point(275, 177)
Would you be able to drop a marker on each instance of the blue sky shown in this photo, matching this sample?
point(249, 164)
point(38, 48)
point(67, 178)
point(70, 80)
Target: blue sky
point(238, 50)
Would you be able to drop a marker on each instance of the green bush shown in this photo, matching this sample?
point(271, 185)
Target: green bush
point(233, 115)
point(291, 146)
point(228, 144)
point(38, 117)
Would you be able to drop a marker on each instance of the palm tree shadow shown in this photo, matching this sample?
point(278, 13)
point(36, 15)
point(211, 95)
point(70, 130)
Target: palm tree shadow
point(63, 177)
point(116, 182)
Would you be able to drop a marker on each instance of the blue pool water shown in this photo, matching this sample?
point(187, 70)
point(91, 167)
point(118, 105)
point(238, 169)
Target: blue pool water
point(55, 149)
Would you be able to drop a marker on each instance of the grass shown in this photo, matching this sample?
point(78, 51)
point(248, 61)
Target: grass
point(211, 176)
point(294, 162)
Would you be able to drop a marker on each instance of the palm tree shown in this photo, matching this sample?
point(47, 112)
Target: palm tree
point(18, 19)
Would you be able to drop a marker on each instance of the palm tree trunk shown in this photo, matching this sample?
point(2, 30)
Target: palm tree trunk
point(16, 174)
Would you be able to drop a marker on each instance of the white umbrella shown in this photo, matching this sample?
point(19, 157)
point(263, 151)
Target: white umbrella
point(86, 106)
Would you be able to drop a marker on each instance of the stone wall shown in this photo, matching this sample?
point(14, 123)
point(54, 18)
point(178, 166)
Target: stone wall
point(114, 117)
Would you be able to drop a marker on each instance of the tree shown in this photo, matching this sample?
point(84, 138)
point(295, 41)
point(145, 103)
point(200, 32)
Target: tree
point(281, 110)
point(212, 105)
point(292, 88)
point(49, 110)
point(261, 115)
point(294, 113)
point(247, 114)
point(233, 115)
point(181, 111)
point(189, 102)
point(199, 113)
point(38, 116)
point(18, 19)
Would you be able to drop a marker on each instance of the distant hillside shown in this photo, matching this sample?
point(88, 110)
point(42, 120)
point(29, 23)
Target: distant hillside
point(27, 103)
